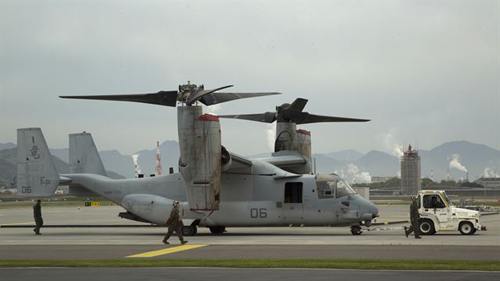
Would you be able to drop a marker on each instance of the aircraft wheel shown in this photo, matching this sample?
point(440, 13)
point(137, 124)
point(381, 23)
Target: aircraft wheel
point(427, 227)
point(217, 229)
point(190, 230)
point(356, 230)
point(466, 228)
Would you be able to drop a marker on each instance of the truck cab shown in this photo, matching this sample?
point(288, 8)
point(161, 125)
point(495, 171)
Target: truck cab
point(437, 213)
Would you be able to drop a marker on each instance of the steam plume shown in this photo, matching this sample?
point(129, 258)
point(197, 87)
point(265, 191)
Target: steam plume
point(271, 135)
point(455, 163)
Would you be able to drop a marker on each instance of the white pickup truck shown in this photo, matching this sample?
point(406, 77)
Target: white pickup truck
point(437, 213)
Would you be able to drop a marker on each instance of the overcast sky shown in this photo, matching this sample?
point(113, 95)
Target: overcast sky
point(425, 72)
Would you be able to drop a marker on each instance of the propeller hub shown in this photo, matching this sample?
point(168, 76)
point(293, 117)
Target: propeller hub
point(186, 90)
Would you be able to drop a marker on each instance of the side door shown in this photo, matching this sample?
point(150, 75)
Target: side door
point(293, 203)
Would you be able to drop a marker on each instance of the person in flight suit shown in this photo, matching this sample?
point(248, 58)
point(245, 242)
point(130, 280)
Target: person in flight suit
point(414, 218)
point(174, 223)
point(37, 214)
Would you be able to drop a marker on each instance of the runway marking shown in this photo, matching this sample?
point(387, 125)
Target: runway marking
point(16, 223)
point(166, 251)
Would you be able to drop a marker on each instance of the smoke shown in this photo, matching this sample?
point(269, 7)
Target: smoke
point(455, 163)
point(490, 173)
point(271, 135)
point(391, 144)
point(214, 109)
point(135, 157)
point(354, 175)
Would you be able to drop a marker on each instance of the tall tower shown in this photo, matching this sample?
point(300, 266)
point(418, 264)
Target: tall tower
point(158, 159)
point(411, 181)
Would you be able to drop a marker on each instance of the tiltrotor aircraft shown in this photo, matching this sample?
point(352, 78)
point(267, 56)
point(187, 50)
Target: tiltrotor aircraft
point(216, 188)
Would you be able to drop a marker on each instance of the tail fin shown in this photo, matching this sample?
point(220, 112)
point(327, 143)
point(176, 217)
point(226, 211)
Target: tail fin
point(36, 174)
point(83, 155)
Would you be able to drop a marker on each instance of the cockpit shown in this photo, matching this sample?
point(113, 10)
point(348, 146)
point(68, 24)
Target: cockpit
point(332, 186)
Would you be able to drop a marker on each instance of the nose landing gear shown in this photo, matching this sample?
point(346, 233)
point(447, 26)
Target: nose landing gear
point(356, 230)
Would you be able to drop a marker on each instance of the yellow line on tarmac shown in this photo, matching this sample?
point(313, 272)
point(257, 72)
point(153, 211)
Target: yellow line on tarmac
point(166, 251)
point(17, 223)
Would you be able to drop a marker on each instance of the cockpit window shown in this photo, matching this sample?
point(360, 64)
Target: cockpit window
point(343, 189)
point(329, 186)
point(326, 189)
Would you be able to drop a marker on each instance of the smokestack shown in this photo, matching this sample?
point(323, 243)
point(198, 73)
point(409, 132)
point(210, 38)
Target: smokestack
point(135, 157)
point(314, 165)
point(158, 159)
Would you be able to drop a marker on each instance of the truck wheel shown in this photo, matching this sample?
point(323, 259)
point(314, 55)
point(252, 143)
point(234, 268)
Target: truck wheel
point(466, 228)
point(217, 229)
point(190, 230)
point(356, 230)
point(427, 227)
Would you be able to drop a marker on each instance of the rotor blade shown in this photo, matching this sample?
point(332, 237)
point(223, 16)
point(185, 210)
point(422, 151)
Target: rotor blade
point(268, 117)
point(306, 118)
point(199, 94)
point(215, 98)
point(298, 104)
point(165, 98)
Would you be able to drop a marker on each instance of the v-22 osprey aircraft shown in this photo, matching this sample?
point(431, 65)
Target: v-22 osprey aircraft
point(216, 188)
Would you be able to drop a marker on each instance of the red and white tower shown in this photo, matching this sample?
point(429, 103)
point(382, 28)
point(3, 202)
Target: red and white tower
point(158, 159)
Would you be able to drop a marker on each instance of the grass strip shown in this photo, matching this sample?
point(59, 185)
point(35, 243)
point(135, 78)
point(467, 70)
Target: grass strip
point(268, 263)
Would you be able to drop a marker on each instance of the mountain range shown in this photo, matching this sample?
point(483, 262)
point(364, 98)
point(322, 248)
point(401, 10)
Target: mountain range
point(479, 160)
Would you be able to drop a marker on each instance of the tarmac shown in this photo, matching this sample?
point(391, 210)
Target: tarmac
point(112, 242)
point(208, 274)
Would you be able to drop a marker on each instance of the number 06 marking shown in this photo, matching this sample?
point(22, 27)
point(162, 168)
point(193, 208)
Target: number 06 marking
point(258, 213)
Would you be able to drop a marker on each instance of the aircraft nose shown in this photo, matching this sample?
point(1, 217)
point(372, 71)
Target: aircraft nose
point(369, 209)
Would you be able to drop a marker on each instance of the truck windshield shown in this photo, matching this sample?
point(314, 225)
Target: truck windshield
point(447, 199)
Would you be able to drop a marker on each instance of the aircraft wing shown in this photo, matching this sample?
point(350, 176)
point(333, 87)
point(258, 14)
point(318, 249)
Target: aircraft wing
point(286, 159)
point(239, 164)
point(267, 166)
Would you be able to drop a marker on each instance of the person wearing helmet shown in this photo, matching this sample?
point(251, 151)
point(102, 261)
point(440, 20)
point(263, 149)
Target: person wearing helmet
point(174, 224)
point(414, 218)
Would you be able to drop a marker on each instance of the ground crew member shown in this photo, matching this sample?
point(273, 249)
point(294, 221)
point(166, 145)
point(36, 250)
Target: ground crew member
point(174, 223)
point(414, 218)
point(37, 214)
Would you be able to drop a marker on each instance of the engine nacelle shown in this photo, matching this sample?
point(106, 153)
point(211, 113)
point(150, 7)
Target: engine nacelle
point(152, 208)
point(201, 152)
point(225, 159)
point(289, 138)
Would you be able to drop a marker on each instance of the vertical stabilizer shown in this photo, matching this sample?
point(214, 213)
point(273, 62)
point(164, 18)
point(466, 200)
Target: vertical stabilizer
point(83, 155)
point(36, 174)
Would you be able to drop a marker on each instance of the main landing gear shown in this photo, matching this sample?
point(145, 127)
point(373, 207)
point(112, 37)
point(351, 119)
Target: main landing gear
point(356, 230)
point(189, 230)
point(217, 229)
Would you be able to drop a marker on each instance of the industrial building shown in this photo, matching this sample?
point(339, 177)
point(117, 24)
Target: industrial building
point(411, 181)
point(489, 182)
